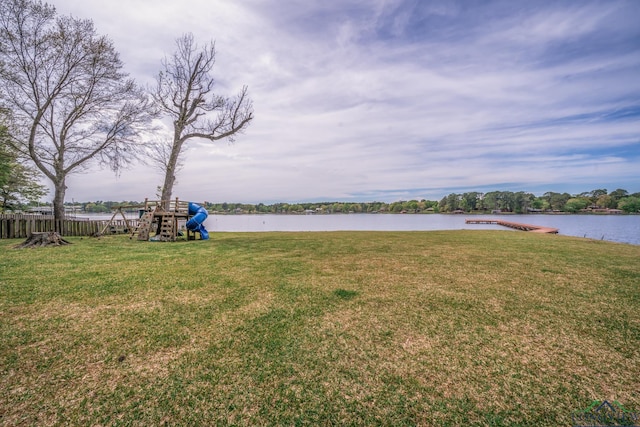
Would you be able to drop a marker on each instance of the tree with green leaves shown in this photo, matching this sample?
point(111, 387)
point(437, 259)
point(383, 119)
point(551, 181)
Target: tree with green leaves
point(19, 184)
point(556, 201)
point(20, 187)
point(72, 105)
point(617, 195)
point(576, 204)
point(630, 204)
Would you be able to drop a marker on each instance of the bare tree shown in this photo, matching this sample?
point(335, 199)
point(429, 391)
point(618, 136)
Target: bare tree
point(184, 93)
point(159, 156)
point(72, 105)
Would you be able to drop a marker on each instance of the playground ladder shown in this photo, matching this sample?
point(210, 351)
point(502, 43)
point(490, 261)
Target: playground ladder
point(144, 226)
point(168, 227)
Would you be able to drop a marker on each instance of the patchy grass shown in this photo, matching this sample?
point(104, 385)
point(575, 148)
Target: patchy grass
point(345, 328)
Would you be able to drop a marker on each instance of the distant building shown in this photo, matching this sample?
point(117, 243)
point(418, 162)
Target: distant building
point(41, 210)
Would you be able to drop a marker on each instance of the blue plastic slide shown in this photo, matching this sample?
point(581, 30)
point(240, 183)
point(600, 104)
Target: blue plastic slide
point(196, 223)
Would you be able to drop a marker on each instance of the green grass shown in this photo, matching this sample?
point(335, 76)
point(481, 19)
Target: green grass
point(346, 328)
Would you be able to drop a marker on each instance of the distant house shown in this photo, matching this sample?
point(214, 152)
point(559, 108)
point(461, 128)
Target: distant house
point(41, 210)
point(607, 211)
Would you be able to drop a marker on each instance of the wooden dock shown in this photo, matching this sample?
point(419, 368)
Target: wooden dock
point(516, 225)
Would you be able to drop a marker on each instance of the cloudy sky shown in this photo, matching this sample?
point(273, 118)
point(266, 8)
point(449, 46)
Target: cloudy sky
point(363, 100)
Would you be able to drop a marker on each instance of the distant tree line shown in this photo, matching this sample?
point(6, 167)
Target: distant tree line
point(523, 202)
point(470, 202)
point(325, 207)
point(503, 201)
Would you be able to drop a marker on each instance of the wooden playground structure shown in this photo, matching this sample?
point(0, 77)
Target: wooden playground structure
point(163, 220)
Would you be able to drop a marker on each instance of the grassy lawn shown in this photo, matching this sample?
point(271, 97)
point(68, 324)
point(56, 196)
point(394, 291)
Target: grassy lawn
point(343, 328)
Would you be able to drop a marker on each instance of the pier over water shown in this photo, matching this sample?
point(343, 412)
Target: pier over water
point(516, 225)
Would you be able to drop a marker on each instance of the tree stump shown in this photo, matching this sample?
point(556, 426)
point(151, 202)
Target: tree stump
point(49, 238)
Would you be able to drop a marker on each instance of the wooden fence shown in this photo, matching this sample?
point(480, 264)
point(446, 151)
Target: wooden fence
point(17, 226)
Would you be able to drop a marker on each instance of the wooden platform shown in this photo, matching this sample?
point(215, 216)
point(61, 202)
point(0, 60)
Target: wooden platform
point(516, 225)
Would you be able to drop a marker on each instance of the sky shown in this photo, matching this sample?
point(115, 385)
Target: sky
point(386, 100)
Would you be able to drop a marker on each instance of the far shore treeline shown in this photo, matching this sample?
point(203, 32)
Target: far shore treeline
point(596, 201)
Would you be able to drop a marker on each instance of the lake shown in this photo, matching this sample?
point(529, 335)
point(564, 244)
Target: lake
point(616, 228)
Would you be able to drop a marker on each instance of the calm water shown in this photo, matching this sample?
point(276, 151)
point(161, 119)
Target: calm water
point(616, 228)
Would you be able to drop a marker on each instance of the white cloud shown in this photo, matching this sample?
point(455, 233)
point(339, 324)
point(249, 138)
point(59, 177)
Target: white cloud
point(381, 98)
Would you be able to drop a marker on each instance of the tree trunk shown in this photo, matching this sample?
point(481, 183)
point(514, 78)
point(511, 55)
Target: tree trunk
point(49, 238)
point(170, 173)
point(58, 205)
point(167, 188)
